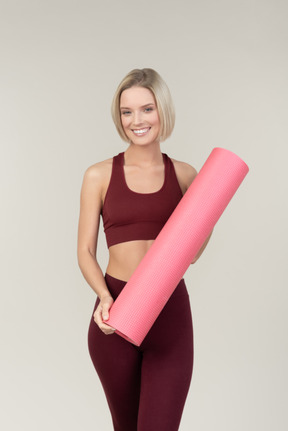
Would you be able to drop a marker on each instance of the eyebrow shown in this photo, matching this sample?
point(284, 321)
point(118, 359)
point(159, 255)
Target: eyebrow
point(144, 106)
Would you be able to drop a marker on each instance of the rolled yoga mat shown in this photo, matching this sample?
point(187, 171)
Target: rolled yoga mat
point(163, 266)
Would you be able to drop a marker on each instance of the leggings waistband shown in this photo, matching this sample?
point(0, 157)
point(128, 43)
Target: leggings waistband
point(115, 286)
point(113, 279)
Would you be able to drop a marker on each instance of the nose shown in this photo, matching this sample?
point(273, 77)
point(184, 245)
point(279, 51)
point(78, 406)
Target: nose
point(138, 119)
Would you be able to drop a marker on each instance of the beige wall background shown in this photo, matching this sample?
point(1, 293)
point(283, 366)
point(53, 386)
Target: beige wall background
point(226, 65)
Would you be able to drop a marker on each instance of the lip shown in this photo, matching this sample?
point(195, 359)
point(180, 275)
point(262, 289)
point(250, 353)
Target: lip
point(141, 132)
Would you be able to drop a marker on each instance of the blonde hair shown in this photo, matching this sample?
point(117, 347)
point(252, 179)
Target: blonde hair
point(150, 79)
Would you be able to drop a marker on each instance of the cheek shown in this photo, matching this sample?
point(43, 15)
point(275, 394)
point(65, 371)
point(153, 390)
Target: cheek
point(156, 120)
point(125, 122)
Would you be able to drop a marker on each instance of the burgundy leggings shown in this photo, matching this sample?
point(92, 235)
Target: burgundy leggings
point(146, 387)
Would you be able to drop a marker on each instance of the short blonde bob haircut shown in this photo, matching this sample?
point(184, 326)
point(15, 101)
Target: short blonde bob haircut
point(147, 78)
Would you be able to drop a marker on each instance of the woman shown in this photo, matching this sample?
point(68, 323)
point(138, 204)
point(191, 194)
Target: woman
point(136, 192)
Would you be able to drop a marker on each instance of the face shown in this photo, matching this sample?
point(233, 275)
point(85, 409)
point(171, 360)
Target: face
point(139, 115)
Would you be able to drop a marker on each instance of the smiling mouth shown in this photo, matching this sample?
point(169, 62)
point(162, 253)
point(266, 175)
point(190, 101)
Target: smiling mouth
point(141, 132)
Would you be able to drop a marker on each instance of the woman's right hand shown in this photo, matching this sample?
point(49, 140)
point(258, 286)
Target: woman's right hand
point(102, 313)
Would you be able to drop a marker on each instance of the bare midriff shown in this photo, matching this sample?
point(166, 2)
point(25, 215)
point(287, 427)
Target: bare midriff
point(125, 257)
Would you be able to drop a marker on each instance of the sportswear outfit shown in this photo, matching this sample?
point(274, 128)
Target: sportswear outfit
point(146, 386)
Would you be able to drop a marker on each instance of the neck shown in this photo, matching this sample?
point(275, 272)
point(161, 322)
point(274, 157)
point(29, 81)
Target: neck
point(145, 155)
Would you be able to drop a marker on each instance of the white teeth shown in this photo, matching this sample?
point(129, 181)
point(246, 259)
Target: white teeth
point(141, 131)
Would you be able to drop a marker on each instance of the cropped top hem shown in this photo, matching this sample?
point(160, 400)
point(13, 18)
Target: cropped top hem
point(145, 231)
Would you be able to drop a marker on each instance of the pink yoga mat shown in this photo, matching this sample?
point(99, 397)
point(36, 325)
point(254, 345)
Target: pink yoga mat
point(159, 272)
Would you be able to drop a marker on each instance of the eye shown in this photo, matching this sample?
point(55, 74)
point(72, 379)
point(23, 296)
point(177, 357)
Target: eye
point(125, 112)
point(148, 109)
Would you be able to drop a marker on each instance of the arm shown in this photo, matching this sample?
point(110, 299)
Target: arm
point(88, 228)
point(201, 249)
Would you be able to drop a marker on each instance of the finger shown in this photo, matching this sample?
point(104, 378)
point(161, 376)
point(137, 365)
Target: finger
point(97, 316)
point(105, 311)
point(107, 326)
point(107, 329)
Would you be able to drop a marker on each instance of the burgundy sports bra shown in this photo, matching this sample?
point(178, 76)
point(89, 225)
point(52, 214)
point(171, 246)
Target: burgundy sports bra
point(129, 215)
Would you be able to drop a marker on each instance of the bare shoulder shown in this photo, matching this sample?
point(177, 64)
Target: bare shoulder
point(96, 178)
point(99, 171)
point(185, 173)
